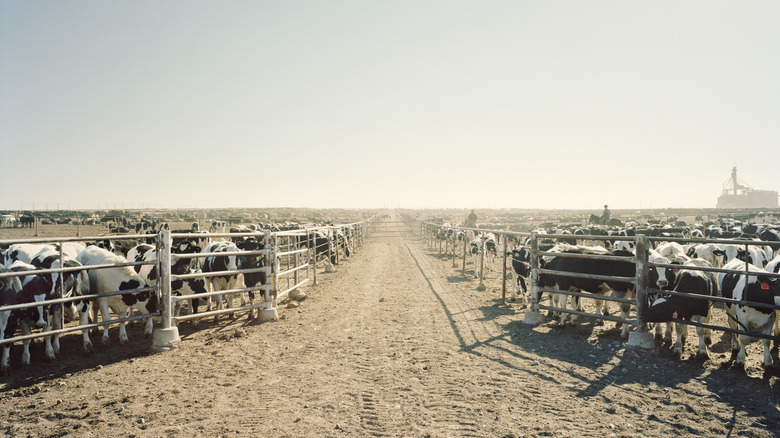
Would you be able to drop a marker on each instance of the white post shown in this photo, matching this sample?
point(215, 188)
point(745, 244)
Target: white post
point(329, 267)
point(270, 311)
point(165, 337)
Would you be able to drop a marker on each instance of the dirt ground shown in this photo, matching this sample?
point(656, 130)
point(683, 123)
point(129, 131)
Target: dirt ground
point(396, 342)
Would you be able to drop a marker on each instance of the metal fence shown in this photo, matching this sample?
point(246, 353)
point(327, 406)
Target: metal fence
point(290, 260)
point(436, 238)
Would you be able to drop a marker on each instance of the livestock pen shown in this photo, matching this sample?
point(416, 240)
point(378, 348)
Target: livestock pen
point(641, 288)
point(279, 264)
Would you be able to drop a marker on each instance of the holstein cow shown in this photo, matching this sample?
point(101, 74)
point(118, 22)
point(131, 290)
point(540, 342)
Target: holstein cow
point(10, 290)
point(668, 308)
point(219, 264)
point(71, 284)
point(118, 278)
point(616, 268)
point(491, 250)
point(774, 267)
point(521, 265)
point(756, 288)
point(217, 226)
point(181, 266)
point(33, 289)
point(475, 249)
point(253, 261)
point(23, 252)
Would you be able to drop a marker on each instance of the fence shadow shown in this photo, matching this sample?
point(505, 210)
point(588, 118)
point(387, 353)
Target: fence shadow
point(624, 367)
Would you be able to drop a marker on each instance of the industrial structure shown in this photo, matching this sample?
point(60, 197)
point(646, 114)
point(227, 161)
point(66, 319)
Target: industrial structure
point(737, 194)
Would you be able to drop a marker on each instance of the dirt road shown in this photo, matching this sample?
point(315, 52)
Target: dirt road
point(395, 343)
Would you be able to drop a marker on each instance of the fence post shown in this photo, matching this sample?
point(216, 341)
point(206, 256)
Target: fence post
point(503, 272)
point(313, 246)
point(464, 254)
point(338, 244)
point(329, 267)
point(165, 337)
point(481, 286)
point(641, 337)
point(269, 311)
point(533, 316)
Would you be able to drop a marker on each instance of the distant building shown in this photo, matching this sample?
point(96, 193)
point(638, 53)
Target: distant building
point(736, 195)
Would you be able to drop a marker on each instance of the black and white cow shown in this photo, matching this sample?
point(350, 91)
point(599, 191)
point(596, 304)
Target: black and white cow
point(253, 261)
point(475, 249)
point(710, 252)
point(217, 226)
point(615, 268)
point(521, 265)
point(181, 266)
point(23, 252)
point(10, 294)
point(757, 288)
point(118, 278)
point(34, 289)
point(63, 285)
point(491, 250)
point(219, 264)
point(667, 308)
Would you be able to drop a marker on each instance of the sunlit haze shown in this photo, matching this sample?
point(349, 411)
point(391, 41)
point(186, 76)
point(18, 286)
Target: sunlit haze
point(366, 104)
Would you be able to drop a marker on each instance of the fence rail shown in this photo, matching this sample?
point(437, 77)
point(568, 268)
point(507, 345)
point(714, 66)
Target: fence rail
point(290, 259)
point(438, 236)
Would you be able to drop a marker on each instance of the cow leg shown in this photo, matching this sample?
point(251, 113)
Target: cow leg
point(706, 333)
point(103, 304)
point(5, 361)
point(84, 320)
point(735, 341)
point(624, 310)
point(26, 343)
point(668, 333)
point(702, 354)
point(5, 320)
point(123, 339)
point(682, 335)
point(149, 327)
point(217, 298)
point(768, 364)
point(54, 322)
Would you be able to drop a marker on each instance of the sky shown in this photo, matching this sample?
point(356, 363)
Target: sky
point(365, 104)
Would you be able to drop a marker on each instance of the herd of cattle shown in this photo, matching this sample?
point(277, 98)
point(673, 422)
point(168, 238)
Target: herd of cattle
point(91, 282)
point(572, 252)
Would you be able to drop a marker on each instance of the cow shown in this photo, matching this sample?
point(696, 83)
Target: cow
point(757, 288)
point(253, 261)
point(521, 265)
point(491, 250)
point(616, 268)
point(181, 266)
point(667, 308)
point(10, 294)
point(33, 289)
point(23, 252)
point(475, 249)
point(217, 226)
point(218, 264)
point(672, 251)
point(118, 278)
point(63, 285)
point(710, 252)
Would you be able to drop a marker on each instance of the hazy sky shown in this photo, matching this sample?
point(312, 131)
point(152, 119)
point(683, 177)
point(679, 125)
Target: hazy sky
point(516, 104)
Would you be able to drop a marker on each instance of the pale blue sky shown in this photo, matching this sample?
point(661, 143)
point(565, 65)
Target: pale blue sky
point(516, 104)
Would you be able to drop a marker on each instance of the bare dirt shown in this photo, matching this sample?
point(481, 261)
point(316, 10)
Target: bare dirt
point(396, 342)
